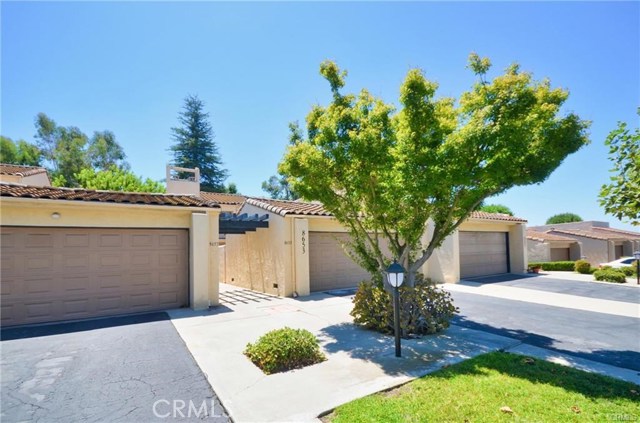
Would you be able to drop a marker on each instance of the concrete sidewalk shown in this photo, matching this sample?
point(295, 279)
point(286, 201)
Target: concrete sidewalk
point(359, 362)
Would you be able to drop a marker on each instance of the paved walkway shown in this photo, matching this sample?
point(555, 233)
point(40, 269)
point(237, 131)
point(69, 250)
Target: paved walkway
point(359, 362)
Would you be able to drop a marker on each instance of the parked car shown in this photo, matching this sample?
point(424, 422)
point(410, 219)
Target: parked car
point(621, 262)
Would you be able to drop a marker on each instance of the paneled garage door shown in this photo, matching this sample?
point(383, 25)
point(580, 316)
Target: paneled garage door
point(51, 274)
point(329, 266)
point(483, 253)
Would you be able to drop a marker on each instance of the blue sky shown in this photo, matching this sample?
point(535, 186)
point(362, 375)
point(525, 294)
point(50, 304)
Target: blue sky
point(127, 67)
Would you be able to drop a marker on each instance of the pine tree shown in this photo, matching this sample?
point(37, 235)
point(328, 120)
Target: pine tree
point(194, 145)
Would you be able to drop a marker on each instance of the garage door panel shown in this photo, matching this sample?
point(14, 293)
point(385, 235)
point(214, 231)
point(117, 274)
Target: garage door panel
point(110, 240)
point(76, 241)
point(329, 265)
point(41, 281)
point(482, 253)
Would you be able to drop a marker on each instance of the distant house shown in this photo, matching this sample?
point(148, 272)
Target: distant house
point(26, 175)
point(544, 246)
point(599, 243)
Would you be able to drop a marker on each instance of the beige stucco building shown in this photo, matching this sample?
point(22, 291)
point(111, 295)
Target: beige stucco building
point(74, 253)
point(544, 247)
point(301, 251)
point(598, 242)
point(28, 175)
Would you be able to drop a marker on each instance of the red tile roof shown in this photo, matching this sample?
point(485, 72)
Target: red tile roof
point(19, 170)
point(223, 198)
point(74, 194)
point(495, 216)
point(583, 233)
point(617, 232)
point(283, 207)
point(544, 236)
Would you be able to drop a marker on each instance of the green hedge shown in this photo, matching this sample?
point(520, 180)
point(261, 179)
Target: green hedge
point(610, 275)
point(628, 270)
point(584, 267)
point(563, 266)
point(284, 349)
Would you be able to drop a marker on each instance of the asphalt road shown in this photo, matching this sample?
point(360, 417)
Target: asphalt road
point(603, 291)
point(124, 369)
point(599, 337)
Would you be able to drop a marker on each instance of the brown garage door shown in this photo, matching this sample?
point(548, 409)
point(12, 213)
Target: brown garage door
point(559, 254)
point(51, 274)
point(329, 266)
point(483, 253)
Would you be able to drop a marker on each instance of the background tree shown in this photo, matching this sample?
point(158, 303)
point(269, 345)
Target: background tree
point(194, 145)
point(621, 196)
point(67, 150)
point(563, 218)
point(19, 152)
point(116, 179)
point(385, 174)
point(496, 208)
point(232, 188)
point(278, 188)
point(104, 152)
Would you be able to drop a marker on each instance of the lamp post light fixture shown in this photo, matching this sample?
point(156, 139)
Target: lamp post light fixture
point(636, 255)
point(395, 277)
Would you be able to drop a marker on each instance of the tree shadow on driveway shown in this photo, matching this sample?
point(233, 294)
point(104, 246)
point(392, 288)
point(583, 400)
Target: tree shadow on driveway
point(419, 355)
point(620, 358)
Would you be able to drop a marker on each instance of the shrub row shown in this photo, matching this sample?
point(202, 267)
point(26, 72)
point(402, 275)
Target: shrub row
point(610, 275)
point(628, 270)
point(284, 349)
point(565, 266)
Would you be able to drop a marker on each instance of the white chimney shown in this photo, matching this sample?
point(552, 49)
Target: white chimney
point(178, 184)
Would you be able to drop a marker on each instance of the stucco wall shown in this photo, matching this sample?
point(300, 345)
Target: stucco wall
point(538, 251)
point(258, 260)
point(595, 251)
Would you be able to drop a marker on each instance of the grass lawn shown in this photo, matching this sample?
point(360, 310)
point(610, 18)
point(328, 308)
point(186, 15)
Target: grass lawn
point(476, 390)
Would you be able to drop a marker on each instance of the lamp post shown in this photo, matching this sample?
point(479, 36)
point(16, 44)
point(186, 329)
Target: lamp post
point(395, 277)
point(637, 257)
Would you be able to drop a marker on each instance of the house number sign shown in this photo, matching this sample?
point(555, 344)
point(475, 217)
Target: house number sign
point(304, 241)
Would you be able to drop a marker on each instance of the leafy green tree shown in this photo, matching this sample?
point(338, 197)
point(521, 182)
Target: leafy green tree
point(104, 151)
point(194, 145)
point(116, 179)
point(19, 153)
point(496, 208)
point(67, 150)
point(232, 188)
point(385, 173)
point(278, 188)
point(621, 196)
point(563, 218)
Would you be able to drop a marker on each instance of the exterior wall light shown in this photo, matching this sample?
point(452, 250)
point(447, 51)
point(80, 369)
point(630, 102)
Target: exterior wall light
point(55, 215)
point(395, 276)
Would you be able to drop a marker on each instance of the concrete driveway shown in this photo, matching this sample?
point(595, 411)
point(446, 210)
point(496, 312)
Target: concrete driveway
point(114, 369)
